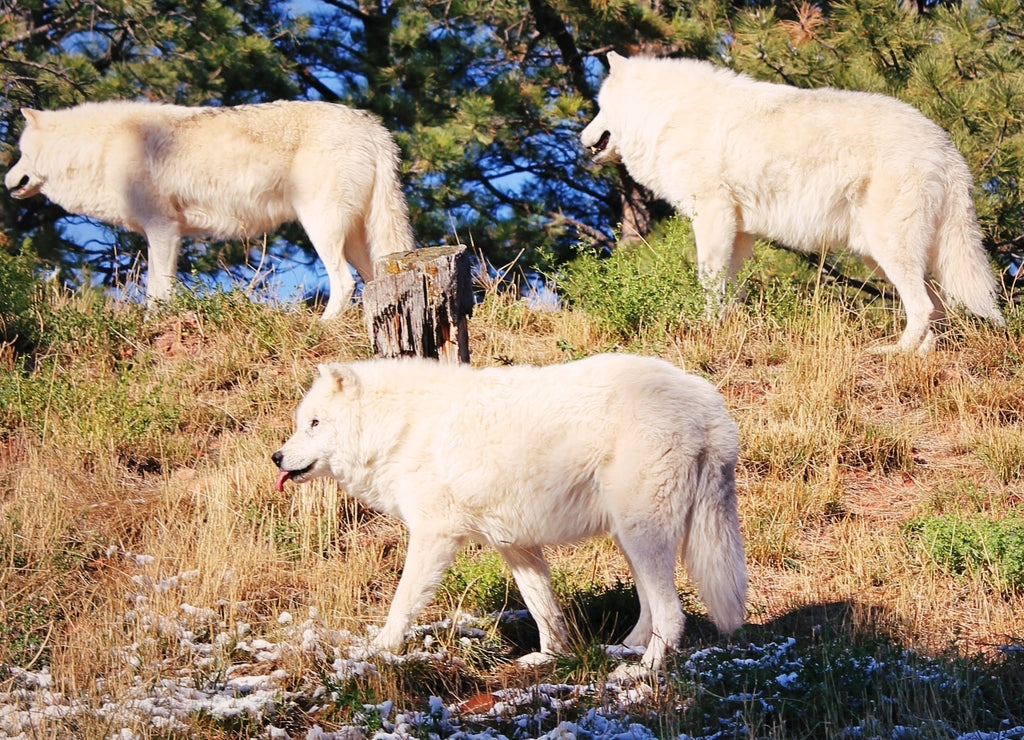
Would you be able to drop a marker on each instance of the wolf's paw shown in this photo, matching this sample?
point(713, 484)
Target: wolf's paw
point(922, 348)
point(622, 652)
point(390, 641)
point(885, 349)
point(535, 660)
point(630, 673)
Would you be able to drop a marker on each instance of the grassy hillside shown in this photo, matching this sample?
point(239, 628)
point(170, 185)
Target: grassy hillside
point(145, 552)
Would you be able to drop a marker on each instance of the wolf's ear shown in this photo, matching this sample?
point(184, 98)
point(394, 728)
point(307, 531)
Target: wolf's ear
point(32, 116)
point(614, 60)
point(341, 376)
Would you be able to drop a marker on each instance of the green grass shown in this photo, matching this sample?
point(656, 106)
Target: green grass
point(823, 687)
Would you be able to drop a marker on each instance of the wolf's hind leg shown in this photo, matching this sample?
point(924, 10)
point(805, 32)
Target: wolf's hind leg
point(164, 238)
point(328, 229)
point(652, 558)
point(640, 635)
point(921, 304)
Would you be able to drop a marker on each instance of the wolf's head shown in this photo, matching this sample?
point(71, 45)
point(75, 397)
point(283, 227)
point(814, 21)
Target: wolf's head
point(324, 423)
point(598, 138)
point(24, 179)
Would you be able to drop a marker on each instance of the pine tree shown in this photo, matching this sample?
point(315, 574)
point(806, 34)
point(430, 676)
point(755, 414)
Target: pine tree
point(487, 99)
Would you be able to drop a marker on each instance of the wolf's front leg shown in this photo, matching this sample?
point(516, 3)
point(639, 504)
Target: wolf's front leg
point(531, 573)
point(722, 249)
point(428, 556)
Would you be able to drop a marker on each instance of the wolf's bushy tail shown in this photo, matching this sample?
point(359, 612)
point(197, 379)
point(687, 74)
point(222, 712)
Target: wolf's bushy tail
point(387, 218)
point(714, 552)
point(961, 266)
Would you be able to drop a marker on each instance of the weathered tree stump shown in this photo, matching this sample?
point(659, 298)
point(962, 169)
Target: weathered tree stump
point(418, 303)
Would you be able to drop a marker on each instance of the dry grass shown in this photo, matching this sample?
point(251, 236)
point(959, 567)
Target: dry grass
point(111, 521)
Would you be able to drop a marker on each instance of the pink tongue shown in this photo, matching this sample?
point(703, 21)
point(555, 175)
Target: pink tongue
point(279, 485)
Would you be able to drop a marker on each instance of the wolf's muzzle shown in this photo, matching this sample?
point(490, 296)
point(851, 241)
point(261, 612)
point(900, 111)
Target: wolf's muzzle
point(601, 144)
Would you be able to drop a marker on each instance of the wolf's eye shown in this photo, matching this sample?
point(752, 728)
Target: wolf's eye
point(314, 423)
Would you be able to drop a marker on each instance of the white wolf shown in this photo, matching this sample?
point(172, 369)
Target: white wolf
point(522, 457)
point(813, 169)
point(169, 171)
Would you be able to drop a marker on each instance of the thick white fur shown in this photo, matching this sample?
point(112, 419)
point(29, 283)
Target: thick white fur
point(522, 457)
point(169, 171)
point(813, 169)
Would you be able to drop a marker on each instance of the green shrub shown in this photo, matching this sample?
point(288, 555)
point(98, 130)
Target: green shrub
point(646, 291)
point(979, 545)
point(19, 294)
point(641, 291)
point(480, 579)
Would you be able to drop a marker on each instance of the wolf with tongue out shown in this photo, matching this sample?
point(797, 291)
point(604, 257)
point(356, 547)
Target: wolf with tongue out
point(283, 476)
point(522, 457)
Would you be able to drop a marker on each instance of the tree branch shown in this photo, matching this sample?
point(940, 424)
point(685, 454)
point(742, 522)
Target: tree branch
point(313, 81)
point(549, 23)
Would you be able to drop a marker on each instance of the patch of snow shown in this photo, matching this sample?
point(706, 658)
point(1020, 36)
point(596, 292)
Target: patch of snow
point(234, 674)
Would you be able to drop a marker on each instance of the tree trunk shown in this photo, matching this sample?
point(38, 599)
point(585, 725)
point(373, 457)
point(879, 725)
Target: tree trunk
point(636, 214)
point(418, 304)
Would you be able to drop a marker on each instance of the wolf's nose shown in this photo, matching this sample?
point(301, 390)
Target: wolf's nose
point(21, 183)
point(277, 457)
